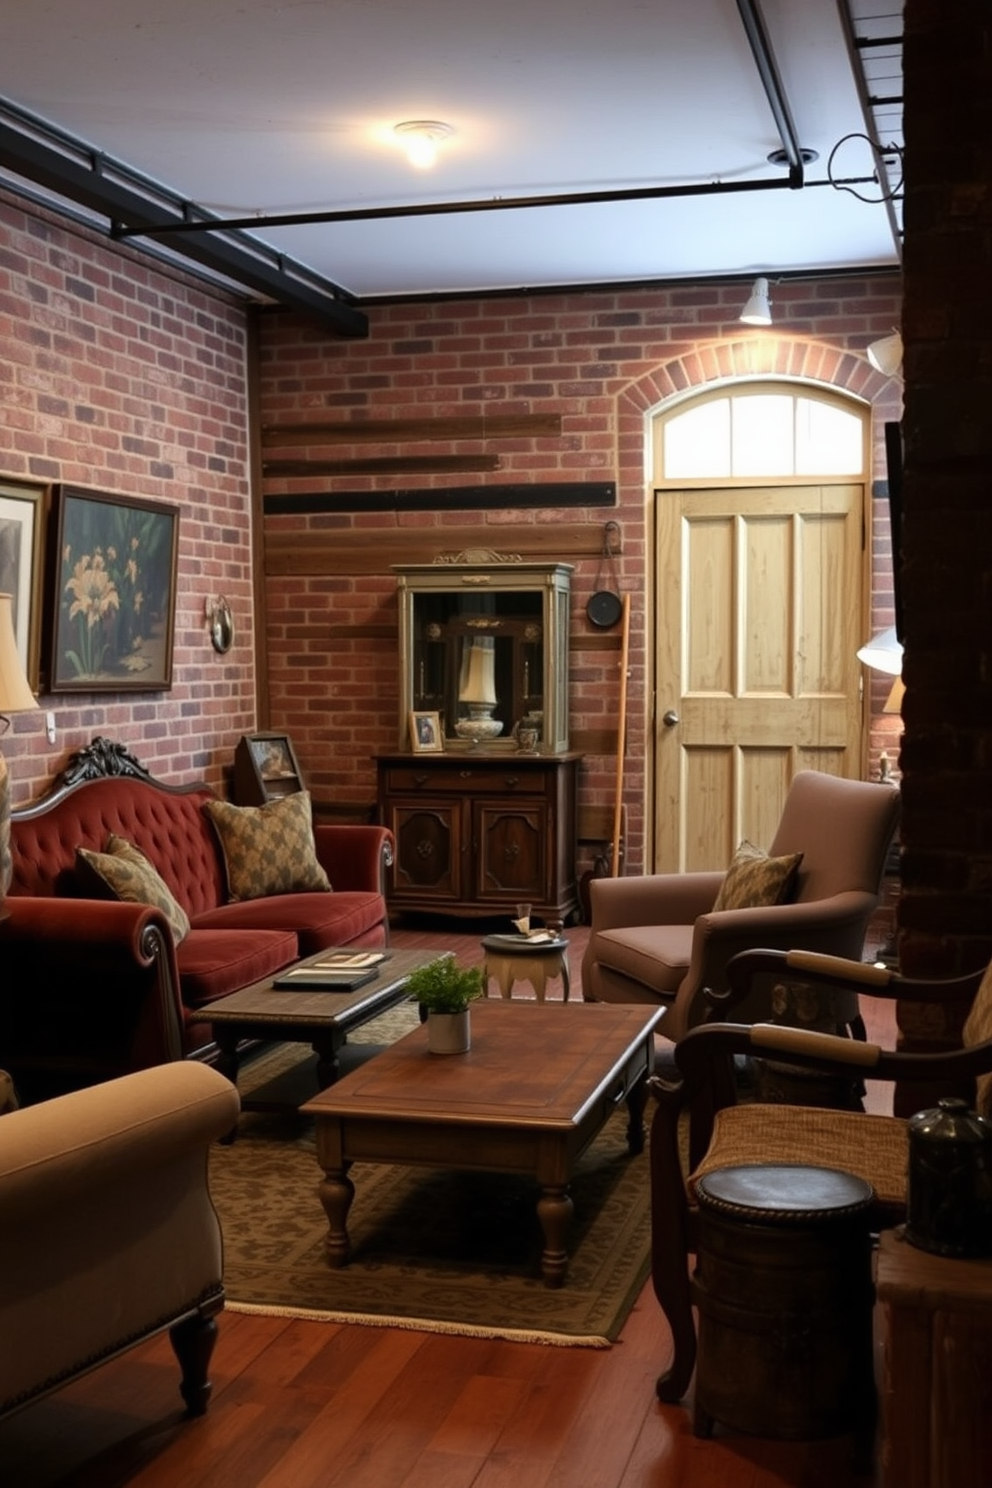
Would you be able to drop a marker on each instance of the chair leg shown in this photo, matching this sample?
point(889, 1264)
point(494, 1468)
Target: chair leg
point(193, 1342)
point(670, 1256)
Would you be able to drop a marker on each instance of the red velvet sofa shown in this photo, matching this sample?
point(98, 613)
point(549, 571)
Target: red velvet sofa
point(95, 988)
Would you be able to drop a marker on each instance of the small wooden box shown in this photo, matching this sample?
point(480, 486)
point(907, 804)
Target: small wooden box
point(265, 768)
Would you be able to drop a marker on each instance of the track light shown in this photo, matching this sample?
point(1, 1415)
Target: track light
point(886, 355)
point(758, 311)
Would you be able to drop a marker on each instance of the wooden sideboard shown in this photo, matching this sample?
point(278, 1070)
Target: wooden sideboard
point(478, 833)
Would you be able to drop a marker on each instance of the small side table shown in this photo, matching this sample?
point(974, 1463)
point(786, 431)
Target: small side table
point(513, 958)
point(936, 1391)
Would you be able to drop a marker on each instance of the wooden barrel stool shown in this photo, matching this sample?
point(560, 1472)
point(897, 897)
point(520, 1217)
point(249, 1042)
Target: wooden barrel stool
point(784, 1291)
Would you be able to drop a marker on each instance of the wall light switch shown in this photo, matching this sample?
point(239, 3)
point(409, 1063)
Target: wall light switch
point(50, 726)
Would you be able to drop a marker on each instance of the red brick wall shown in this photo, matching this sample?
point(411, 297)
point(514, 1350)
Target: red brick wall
point(120, 376)
point(600, 360)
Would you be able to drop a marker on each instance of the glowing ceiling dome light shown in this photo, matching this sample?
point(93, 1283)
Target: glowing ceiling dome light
point(420, 139)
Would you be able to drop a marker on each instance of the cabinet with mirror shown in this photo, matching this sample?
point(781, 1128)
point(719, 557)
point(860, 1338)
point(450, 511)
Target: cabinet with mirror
point(484, 645)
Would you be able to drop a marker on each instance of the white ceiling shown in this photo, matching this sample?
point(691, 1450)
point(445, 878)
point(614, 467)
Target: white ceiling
point(271, 106)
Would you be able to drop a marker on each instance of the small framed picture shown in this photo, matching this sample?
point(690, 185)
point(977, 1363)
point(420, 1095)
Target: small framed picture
point(425, 733)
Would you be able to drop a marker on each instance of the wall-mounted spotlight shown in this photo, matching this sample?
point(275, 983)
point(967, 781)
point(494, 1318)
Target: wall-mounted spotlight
point(886, 355)
point(758, 311)
point(420, 139)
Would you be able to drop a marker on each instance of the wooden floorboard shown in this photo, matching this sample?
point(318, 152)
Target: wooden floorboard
point(301, 1404)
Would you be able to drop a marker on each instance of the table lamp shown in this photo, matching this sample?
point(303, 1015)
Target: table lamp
point(477, 690)
point(15, 697)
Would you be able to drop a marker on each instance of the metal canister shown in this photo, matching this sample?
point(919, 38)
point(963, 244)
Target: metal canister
point(949, 1191)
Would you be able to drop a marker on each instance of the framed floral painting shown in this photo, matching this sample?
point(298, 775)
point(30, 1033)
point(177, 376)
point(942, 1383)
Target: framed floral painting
point(114, 593)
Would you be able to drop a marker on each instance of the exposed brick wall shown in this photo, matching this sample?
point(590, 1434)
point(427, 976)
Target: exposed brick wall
point(946, 906)
point(600, 360)
point(117, 375)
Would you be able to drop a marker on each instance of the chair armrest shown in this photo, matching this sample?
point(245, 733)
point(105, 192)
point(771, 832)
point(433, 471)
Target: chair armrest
point(354, 856)
point(837, 971)
point(652, 899)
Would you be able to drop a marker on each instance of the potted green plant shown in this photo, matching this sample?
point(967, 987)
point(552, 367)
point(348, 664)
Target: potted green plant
point(444, 990)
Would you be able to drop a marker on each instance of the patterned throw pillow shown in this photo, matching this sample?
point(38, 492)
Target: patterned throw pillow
point(129, 875)
point(268, 849)
point(754, 879)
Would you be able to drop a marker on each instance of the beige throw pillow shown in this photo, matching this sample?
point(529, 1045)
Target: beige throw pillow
point(268, 849)
point(127, 873)
point(754, 880)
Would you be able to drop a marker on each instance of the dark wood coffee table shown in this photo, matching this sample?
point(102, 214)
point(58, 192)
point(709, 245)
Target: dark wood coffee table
point(319, 1018)
point(538, 1084)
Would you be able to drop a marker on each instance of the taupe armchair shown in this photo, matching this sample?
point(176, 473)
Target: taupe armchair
point(657, 938)
point(108, 1231)
point(723, 1133)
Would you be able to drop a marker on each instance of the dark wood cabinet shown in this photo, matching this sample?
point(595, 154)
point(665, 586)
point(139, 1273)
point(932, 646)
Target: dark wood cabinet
point(476, 834)
point(265, 768)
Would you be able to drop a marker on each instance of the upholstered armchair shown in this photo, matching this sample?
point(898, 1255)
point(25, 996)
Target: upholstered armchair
point(108, 1231)
point(666, 938)
point(700, 1125)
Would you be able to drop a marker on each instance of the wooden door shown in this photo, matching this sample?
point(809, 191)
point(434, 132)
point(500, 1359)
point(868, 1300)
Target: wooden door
point(760, 610)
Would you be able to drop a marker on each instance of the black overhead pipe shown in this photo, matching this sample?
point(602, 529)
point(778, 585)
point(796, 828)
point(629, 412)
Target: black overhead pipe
point(754, 25)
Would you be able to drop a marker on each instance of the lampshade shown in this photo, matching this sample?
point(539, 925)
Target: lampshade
point(886, 355)
point(757, 311)
point(478, 676)
point(15, 694)
point(883, 653)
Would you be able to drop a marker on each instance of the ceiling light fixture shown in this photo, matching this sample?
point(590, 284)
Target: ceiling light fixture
point(886, 355)
point(758, 311)
point(419, 138)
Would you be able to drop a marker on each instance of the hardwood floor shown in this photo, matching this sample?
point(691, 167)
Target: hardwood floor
point(316, 1405)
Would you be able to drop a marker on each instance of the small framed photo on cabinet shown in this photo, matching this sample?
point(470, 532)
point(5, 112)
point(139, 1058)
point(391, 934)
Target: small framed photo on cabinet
point(425, 733)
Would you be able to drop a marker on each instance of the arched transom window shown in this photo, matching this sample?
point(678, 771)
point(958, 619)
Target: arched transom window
point(768, 431)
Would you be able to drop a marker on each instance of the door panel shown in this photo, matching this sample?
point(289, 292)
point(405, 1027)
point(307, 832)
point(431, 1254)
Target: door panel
point(760, 609)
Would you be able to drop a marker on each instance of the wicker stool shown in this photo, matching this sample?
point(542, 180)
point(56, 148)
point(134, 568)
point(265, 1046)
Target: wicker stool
point(784, 1291)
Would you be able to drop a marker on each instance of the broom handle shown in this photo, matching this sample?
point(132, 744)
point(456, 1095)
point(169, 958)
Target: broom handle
point(621, 735)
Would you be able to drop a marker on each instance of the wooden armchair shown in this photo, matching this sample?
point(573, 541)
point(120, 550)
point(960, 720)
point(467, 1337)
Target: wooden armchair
point(721, 1132)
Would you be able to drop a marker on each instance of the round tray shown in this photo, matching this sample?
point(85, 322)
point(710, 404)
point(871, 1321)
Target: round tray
point(522, 943)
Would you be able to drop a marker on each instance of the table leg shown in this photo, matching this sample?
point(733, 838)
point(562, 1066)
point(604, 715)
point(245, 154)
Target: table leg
point(336, 1193)
point(227, 1052)
point(636, 1100)
point(554, 1210)
point(328, 1063)
point(565, 979)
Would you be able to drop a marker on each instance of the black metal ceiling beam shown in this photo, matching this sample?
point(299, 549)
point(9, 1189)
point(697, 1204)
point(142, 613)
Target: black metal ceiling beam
point(761, 47)
point(137, 206)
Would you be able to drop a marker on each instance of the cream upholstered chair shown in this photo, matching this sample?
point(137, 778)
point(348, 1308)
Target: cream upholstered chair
point(664, 938)
point(722, 1133)
point(108, 1234)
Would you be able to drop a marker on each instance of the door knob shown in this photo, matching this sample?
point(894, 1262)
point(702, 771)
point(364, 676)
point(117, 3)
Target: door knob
point(670, 719)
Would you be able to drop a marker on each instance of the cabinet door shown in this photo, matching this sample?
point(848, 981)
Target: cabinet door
point(510, 841)
point(430, 846)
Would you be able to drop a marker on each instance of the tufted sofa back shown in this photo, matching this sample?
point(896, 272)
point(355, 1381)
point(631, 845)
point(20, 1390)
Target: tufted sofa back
point(166, 823)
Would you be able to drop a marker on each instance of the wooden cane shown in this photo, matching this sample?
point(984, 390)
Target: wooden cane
point(621, 735)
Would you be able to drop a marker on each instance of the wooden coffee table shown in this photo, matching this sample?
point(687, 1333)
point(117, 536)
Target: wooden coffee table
point(538, 1084)
point(319, 1018)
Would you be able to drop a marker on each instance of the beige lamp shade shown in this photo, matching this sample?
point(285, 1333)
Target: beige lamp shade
point(15, 694)
point(886, 355)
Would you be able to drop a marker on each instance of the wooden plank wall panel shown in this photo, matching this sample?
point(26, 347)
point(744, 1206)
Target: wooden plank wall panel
point(349, 553)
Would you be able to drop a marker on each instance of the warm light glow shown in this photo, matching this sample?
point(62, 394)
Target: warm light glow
point(420, 138)
point(757, 311)
point(15, 694)
point(478, 675)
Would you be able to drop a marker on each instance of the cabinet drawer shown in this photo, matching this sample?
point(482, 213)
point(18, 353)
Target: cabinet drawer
point(467, 778)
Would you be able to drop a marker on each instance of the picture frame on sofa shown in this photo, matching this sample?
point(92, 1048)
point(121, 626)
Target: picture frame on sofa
point(111, 610)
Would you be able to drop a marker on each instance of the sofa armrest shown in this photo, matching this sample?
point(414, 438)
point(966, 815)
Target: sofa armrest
point(108, 1233)
point(354, 857)
point(652, 899)
point(90, 991)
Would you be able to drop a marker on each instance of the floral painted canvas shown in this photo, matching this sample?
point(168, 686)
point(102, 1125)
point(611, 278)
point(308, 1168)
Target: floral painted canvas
point(113, 607)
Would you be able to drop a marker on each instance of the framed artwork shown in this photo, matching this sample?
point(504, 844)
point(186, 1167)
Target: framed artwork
point(22, 511)
point(113, 600)
point(425, 733)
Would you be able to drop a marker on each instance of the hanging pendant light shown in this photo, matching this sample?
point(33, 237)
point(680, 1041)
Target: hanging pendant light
point(758, 311)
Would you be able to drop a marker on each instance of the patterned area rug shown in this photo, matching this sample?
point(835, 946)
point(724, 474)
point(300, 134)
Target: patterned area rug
point(444, 1251)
